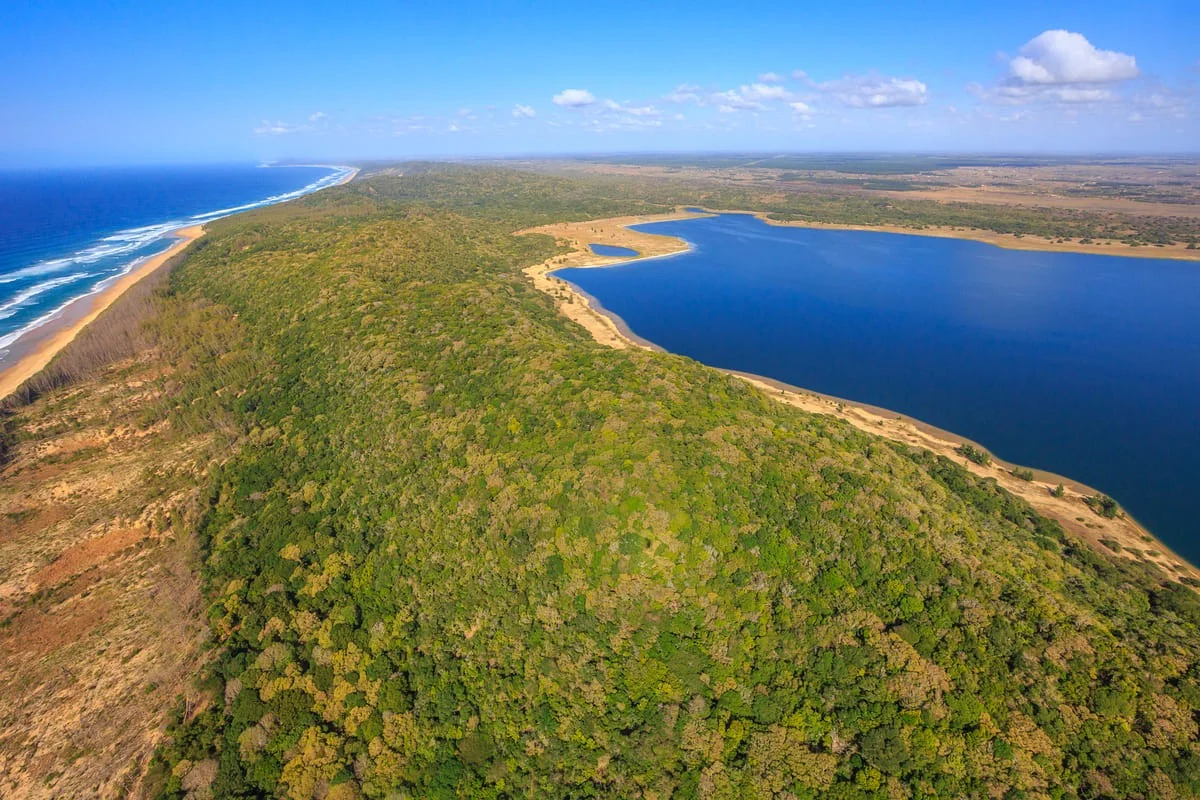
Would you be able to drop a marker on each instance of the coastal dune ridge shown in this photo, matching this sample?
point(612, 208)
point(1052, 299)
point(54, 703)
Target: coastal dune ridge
point(610, 329)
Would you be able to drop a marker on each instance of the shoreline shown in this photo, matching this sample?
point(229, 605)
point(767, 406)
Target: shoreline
point(607, 328)
point(353, 174)
point(41, 344)
point(38, 346)
point(1007, 241)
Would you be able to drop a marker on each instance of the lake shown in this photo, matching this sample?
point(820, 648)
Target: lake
point(611, 250)
point(1083, 365)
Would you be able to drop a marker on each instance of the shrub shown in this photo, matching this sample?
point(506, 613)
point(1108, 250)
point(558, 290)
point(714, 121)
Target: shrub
point(1103, 505)
point(972, 453)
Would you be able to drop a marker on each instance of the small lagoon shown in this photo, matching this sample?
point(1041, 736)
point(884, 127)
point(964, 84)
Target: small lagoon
point(612, 250)
point(1084, 365)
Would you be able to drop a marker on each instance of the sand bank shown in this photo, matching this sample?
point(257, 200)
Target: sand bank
point(35, 350)
point(605, 328)
point(1070, 510)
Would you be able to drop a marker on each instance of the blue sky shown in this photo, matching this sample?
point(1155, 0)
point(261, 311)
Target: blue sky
point(101, 82)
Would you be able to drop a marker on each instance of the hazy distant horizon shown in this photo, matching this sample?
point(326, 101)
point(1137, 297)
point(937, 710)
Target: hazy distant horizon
point(1097, 155)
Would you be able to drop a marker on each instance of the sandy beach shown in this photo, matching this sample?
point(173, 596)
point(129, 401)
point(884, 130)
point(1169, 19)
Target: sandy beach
point(38, 347)
point(34, 351)
point(1070, 510)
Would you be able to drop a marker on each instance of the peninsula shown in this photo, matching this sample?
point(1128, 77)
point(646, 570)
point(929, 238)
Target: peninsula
point(1120, 534)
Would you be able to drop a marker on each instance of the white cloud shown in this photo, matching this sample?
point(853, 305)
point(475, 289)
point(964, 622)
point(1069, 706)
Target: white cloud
point(752, 97)
point(1061, 57)
point(523, 112)
point(770, 77)
point(1060, 67)
point(684, 93)
point(276, 128)
point(731, 101)
point(317, 122)
point(1017, 94)
point(631, 110)
point(1072, 94)
point(763, 91)
point(1159, 101)
point(872, 91)
point(801, 108)
point(574, 98)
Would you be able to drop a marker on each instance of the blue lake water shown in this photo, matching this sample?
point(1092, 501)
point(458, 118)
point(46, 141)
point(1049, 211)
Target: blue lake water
point(611, 250)
point(65, 233)
point(1084, 365)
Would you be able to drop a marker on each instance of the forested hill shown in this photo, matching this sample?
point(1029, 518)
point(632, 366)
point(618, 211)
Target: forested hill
point(460, 550)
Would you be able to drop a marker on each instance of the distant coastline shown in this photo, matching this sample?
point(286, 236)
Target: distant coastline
point(35, 350)
point(609, 329)
point(38, 345)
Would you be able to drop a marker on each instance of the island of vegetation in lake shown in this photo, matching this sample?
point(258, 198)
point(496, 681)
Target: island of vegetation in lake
point(342, 506)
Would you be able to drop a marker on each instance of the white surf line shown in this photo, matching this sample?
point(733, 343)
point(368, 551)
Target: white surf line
point(137, 238)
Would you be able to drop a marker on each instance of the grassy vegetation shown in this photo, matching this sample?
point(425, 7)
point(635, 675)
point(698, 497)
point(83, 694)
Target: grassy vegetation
point(101, 616)
point(454, 548)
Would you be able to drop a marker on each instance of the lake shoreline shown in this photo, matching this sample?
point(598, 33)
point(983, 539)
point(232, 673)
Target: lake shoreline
point(611, 330)
point(1007, 241)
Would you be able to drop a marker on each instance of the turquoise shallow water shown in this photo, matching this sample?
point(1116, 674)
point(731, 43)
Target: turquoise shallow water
point(1088, 366)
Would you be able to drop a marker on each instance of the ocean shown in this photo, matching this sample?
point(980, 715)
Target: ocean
point(66, 233)
point(1083, 365)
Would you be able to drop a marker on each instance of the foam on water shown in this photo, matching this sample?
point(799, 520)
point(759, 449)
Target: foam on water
point(136, 243)
point(9, 307)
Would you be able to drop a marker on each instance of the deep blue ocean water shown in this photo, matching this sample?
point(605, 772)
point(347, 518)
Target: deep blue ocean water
point(1084, 365)
point(611, 250)
point(68, 232)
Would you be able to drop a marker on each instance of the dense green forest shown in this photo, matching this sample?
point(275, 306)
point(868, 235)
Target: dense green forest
point(454, 548)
